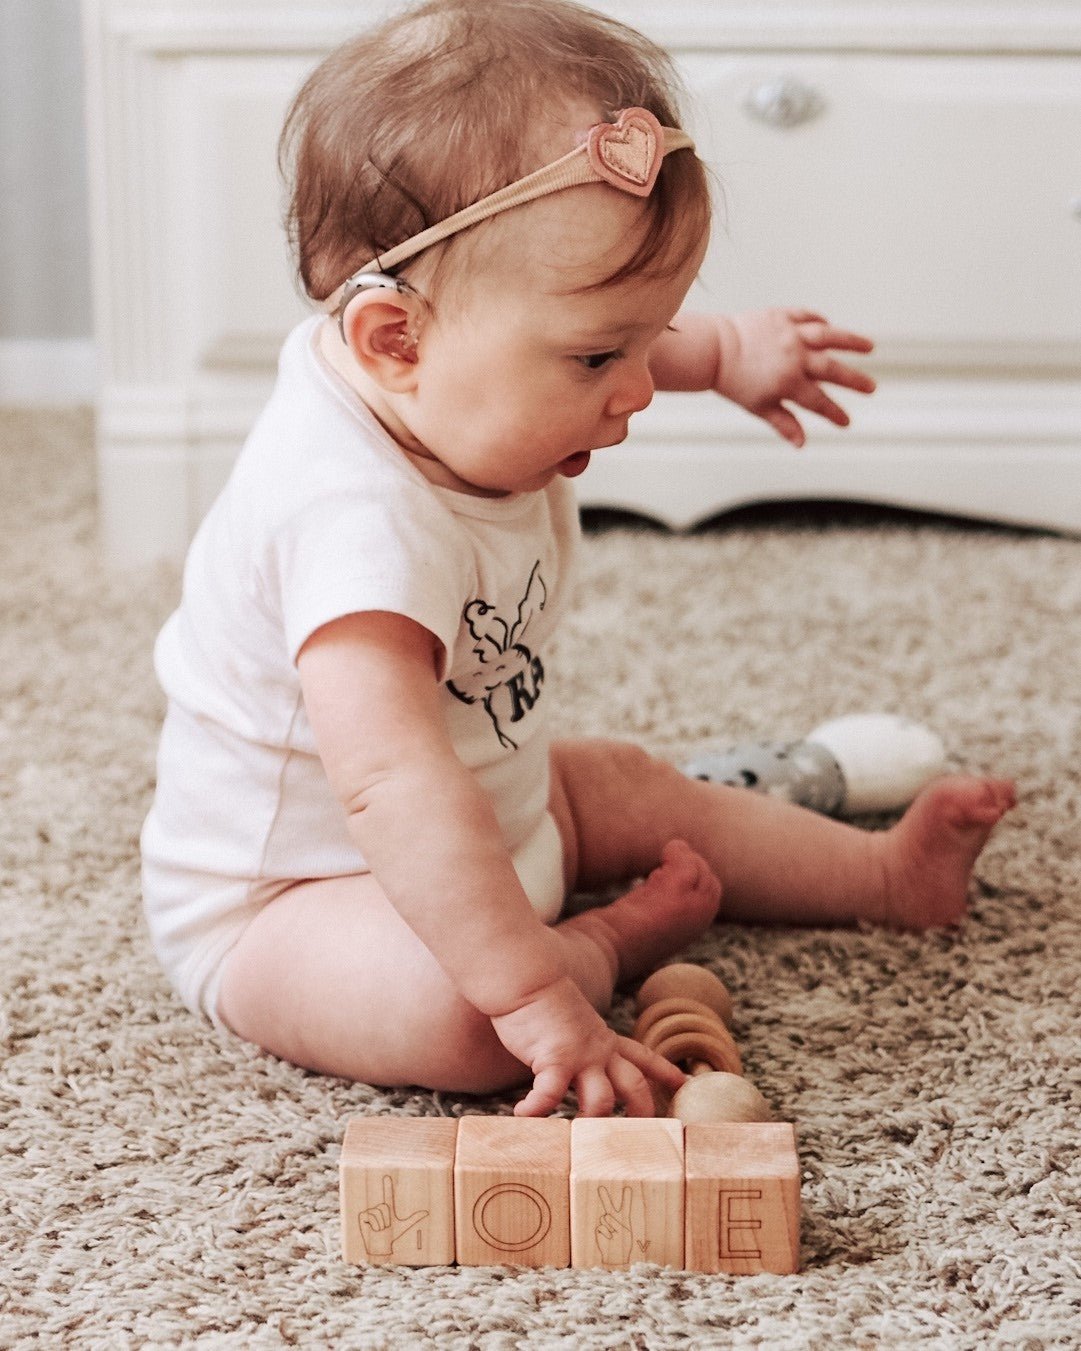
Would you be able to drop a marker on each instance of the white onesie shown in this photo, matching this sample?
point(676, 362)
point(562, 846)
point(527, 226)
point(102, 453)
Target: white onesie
point(322, 516)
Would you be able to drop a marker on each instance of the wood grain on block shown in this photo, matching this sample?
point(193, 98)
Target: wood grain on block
point(742, 1203)
point(512, 1191)
point(397, 1190)
point(626, 1192)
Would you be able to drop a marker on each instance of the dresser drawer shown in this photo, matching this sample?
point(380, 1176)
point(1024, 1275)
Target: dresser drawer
point(933, 201)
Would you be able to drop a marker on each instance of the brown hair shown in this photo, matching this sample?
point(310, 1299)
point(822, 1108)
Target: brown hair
point(406, 124)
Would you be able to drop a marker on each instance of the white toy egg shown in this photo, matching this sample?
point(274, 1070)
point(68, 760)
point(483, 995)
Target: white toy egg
point(885, 759)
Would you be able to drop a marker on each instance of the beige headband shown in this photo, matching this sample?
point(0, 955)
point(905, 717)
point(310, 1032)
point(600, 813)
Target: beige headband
point(626, 153)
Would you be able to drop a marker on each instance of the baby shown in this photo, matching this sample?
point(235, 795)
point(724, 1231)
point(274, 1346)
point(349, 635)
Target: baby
point(362, 837)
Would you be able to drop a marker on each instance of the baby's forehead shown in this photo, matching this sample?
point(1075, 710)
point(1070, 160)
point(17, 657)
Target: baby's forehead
point(572, 240)
point(571, 298)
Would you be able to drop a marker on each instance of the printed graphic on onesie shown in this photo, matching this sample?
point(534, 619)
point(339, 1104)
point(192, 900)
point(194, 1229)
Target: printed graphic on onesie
point(508, 676)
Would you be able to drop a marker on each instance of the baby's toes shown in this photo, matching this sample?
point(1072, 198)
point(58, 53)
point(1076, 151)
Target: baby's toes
point(688, 872)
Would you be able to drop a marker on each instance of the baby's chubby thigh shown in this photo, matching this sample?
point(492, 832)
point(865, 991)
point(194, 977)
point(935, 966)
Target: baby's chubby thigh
point(330, 977)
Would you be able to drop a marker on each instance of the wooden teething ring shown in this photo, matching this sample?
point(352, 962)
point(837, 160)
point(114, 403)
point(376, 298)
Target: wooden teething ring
point(686, 982)
point(667, 1027)
point(666, 1008)
point(718, 1051)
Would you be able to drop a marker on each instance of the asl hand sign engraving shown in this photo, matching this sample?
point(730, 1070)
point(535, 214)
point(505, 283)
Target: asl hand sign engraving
point(614, 1235)
point(381, 1226)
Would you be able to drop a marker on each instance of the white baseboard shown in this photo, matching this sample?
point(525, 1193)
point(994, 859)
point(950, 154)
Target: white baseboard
point(57, 373)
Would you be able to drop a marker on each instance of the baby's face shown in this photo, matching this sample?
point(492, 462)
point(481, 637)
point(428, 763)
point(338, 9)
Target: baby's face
point(521, 374)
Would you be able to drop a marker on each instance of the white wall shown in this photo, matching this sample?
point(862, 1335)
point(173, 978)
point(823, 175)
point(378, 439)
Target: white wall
point(46, 353)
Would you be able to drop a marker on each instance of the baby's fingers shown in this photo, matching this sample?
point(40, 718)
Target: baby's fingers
point(652, 1065)
point(817, 333)
point(816, 400)
point(620, 1081)
point(631, 1087)
point(596, 1094)
point(785, 424)
point(834, 372)
point(548, 1091)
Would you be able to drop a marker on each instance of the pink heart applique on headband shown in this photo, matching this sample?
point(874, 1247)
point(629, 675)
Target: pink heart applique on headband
point(628, 153)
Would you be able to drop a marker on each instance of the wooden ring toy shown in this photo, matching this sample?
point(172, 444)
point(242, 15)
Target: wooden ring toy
point(665, 1008)
point(679, 1022)
point(721, 1055)
point(685, 981)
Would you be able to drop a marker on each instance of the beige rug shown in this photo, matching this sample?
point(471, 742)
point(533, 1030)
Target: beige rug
point(162, 1189)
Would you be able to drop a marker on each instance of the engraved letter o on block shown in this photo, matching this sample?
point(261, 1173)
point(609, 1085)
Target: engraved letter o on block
point(511, 1191)
point(512, 1217)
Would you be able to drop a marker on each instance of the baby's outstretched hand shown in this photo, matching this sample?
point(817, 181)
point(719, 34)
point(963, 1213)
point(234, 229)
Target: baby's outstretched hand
point(567, 1044)
point(773, 357)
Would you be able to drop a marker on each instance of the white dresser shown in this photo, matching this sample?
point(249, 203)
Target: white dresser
point(911, 170)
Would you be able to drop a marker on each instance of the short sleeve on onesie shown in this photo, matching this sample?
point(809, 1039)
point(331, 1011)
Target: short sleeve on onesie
point(323, 516)
point(347, 553)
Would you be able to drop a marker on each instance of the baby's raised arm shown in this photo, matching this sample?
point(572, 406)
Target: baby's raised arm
point(429, 834)
point(763, 360)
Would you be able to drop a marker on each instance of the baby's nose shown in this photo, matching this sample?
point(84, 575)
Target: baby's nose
point(634, 393)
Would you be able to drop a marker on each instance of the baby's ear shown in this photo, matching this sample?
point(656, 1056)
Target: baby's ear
point(381, 331)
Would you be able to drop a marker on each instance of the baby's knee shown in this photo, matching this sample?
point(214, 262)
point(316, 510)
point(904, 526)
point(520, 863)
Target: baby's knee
point(628, 760)
point(602, 755)
point(612, 769)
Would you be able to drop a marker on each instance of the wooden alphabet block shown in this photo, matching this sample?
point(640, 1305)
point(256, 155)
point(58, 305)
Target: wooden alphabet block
point(626, 1192)
point(742, 1198)
point(397, 1190)
point(511, 1191)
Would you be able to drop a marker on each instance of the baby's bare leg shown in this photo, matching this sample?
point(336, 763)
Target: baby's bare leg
point(777, 863)
point(330, 977)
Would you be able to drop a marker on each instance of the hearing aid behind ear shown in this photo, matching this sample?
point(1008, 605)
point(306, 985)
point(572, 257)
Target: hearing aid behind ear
point(366, 281)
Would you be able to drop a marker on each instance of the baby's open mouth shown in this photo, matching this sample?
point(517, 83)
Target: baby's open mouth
point(575, 464)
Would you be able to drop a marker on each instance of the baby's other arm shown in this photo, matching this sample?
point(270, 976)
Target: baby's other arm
point(430, 836)
point(762, 360)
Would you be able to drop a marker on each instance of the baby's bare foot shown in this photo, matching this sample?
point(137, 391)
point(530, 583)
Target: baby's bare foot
point(675, 904)
point(930, 853)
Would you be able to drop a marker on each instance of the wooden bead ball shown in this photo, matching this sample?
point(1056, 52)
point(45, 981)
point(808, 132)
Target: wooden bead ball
point(718, 1097)
point(684, 980)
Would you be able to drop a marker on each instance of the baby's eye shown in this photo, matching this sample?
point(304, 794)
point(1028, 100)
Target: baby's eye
point(595, 360)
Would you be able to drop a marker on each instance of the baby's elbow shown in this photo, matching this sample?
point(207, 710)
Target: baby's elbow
point(358, 796)
point(390, 792)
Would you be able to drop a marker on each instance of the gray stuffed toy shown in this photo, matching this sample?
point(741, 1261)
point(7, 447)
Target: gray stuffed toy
point(849, 766)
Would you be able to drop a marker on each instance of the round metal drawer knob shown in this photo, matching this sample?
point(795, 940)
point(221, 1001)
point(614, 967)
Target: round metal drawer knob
point(784, 102)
